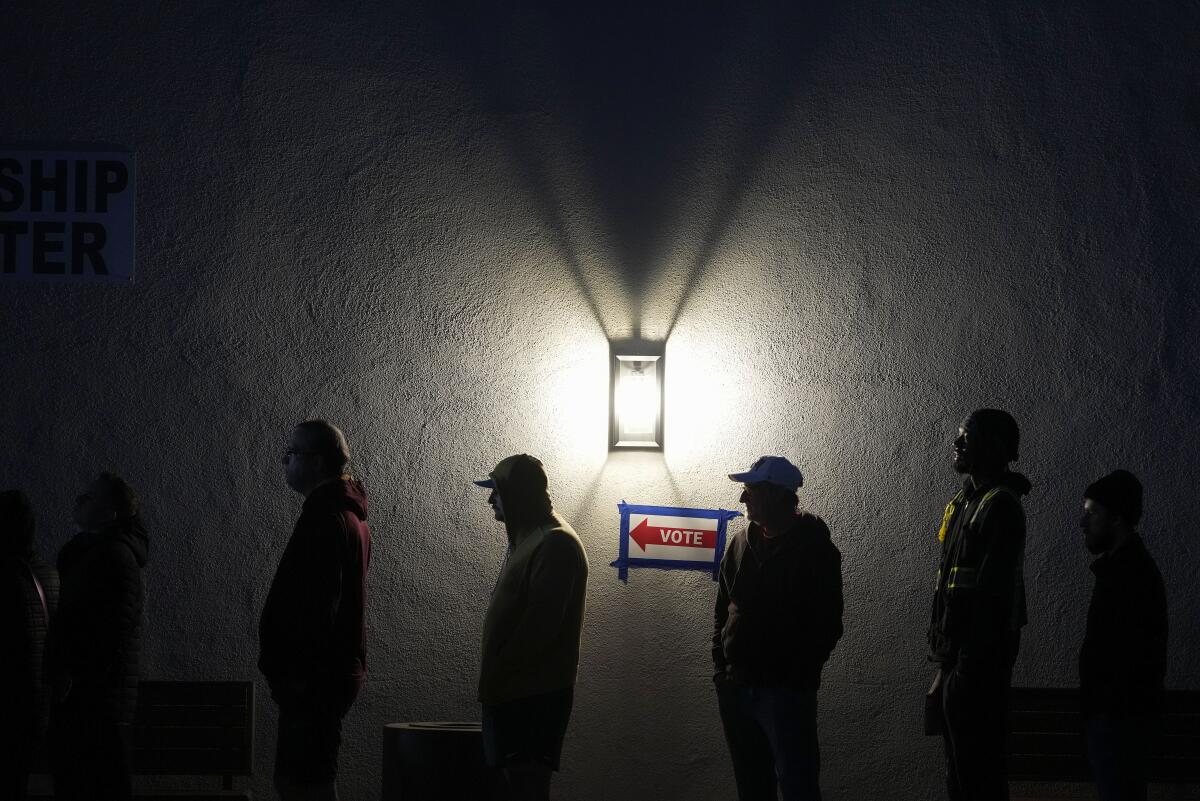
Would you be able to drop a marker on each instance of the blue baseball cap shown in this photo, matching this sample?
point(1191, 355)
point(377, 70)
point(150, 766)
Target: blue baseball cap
point(773, 470)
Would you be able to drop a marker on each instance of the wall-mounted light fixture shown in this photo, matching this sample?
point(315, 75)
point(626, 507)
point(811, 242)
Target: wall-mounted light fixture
point(636, 388)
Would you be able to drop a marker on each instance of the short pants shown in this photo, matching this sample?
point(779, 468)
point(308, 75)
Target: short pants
point(307, 749)
point(527, 729)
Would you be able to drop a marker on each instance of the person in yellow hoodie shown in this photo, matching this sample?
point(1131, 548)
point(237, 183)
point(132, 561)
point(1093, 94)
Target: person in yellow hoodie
point(531, 633)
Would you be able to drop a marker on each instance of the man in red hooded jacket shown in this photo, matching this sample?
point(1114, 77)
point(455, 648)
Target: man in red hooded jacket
point(311, 634)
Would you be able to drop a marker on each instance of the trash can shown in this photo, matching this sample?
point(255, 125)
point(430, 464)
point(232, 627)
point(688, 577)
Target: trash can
point(436, 761)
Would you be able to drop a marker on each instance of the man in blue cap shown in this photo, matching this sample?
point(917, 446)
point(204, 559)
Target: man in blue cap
point(778, 617)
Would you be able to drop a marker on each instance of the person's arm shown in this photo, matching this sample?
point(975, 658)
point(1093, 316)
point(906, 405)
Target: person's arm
point(992, 598)
point(110, 608)
point(319, 592)
point(720, 616)
point(555, 568)
point(1138, 656)
point(828, 605)
point(305, 603)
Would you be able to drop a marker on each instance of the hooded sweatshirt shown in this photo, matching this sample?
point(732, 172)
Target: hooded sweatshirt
point(979, 601)
point(312, 630)
point(779, 606)
point(96, 635)
point(534, 621)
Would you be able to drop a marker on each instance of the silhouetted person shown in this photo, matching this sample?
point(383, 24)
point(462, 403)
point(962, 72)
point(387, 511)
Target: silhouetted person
point(28, 600)
point(531, 633)
point(1124, 656)
point(311, 635)
point(95, 642)
point(778, 617)
point(979, 605)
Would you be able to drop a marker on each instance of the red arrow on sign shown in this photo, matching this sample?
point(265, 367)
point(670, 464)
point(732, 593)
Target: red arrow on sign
point(645, 534)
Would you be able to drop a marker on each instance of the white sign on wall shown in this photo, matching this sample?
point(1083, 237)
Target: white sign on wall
point(671, 538)
point(66, 216)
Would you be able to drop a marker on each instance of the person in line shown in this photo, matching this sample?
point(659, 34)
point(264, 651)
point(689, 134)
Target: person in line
point(531, 633)
point(95, 642)
point(979, 606)
point(28, 600)
point(1123, 661)
point(312, 631)
point(778, 617)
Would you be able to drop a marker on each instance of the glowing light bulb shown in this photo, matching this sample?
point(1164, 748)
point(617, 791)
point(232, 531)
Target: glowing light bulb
point(637, 402)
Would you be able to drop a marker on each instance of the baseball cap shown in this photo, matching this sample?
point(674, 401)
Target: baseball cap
point(523, 469)
point(773, 470)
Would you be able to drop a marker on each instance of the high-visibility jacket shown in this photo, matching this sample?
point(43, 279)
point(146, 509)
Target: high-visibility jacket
point(979, 597)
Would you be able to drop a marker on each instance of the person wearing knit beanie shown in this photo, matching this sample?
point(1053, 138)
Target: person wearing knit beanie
point(1123, 660)
point(1119, 494)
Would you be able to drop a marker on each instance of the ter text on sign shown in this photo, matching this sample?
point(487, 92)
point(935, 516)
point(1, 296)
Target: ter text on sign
point(66, 216)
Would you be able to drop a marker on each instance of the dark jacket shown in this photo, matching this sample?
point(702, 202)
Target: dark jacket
point(534, 621)
point(96, 636)
point(312, 630)
point(979, 601)
point(23, 630)
point(779, 606)
point(1124, 657)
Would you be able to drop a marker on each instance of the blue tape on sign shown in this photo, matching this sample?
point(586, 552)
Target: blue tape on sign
point(666, 530)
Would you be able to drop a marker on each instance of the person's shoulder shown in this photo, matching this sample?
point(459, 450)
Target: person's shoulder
point(1144, 562)
point(738, 541)
point(558, 533)
point(113, 551)
point(320, 520)
point(815, 528)
point(810, 521)
point(561, 545)
point(818, 537)
point(1001, 505)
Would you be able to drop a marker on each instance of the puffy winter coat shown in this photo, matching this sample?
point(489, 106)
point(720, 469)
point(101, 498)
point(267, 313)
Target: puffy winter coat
point(24, 617)
point(96, 636)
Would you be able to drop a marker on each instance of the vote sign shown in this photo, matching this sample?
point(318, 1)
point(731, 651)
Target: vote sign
point(66, 216)
point(671, 538)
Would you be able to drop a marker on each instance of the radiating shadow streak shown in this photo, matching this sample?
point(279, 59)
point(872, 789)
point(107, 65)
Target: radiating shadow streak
point(479, 29)
point(770, 111)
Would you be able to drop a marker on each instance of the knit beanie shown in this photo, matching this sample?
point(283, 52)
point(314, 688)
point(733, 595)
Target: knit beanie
point(1120, 493)
point(999, 432)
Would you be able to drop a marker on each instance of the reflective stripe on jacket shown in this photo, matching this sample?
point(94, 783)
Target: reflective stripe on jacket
point(979, 598)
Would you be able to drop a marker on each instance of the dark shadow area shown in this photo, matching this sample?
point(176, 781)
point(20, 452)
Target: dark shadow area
point(643, 92)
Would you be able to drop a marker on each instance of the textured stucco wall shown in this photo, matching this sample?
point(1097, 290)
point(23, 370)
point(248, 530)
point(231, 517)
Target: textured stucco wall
point(855, 222)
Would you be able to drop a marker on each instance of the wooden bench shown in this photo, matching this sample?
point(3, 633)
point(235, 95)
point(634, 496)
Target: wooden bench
point(196, 729)
point(1046, 743)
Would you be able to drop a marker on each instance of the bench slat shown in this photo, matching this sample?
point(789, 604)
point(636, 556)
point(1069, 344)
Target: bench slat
point(1179, 747)
point(195, 693)
point(1186, 725)
point(1038, 722)
point(189, 761)
point(191, 716)
point(1046, 744)
point(1045, 739)
point(1030, 767)
point(228, 737)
